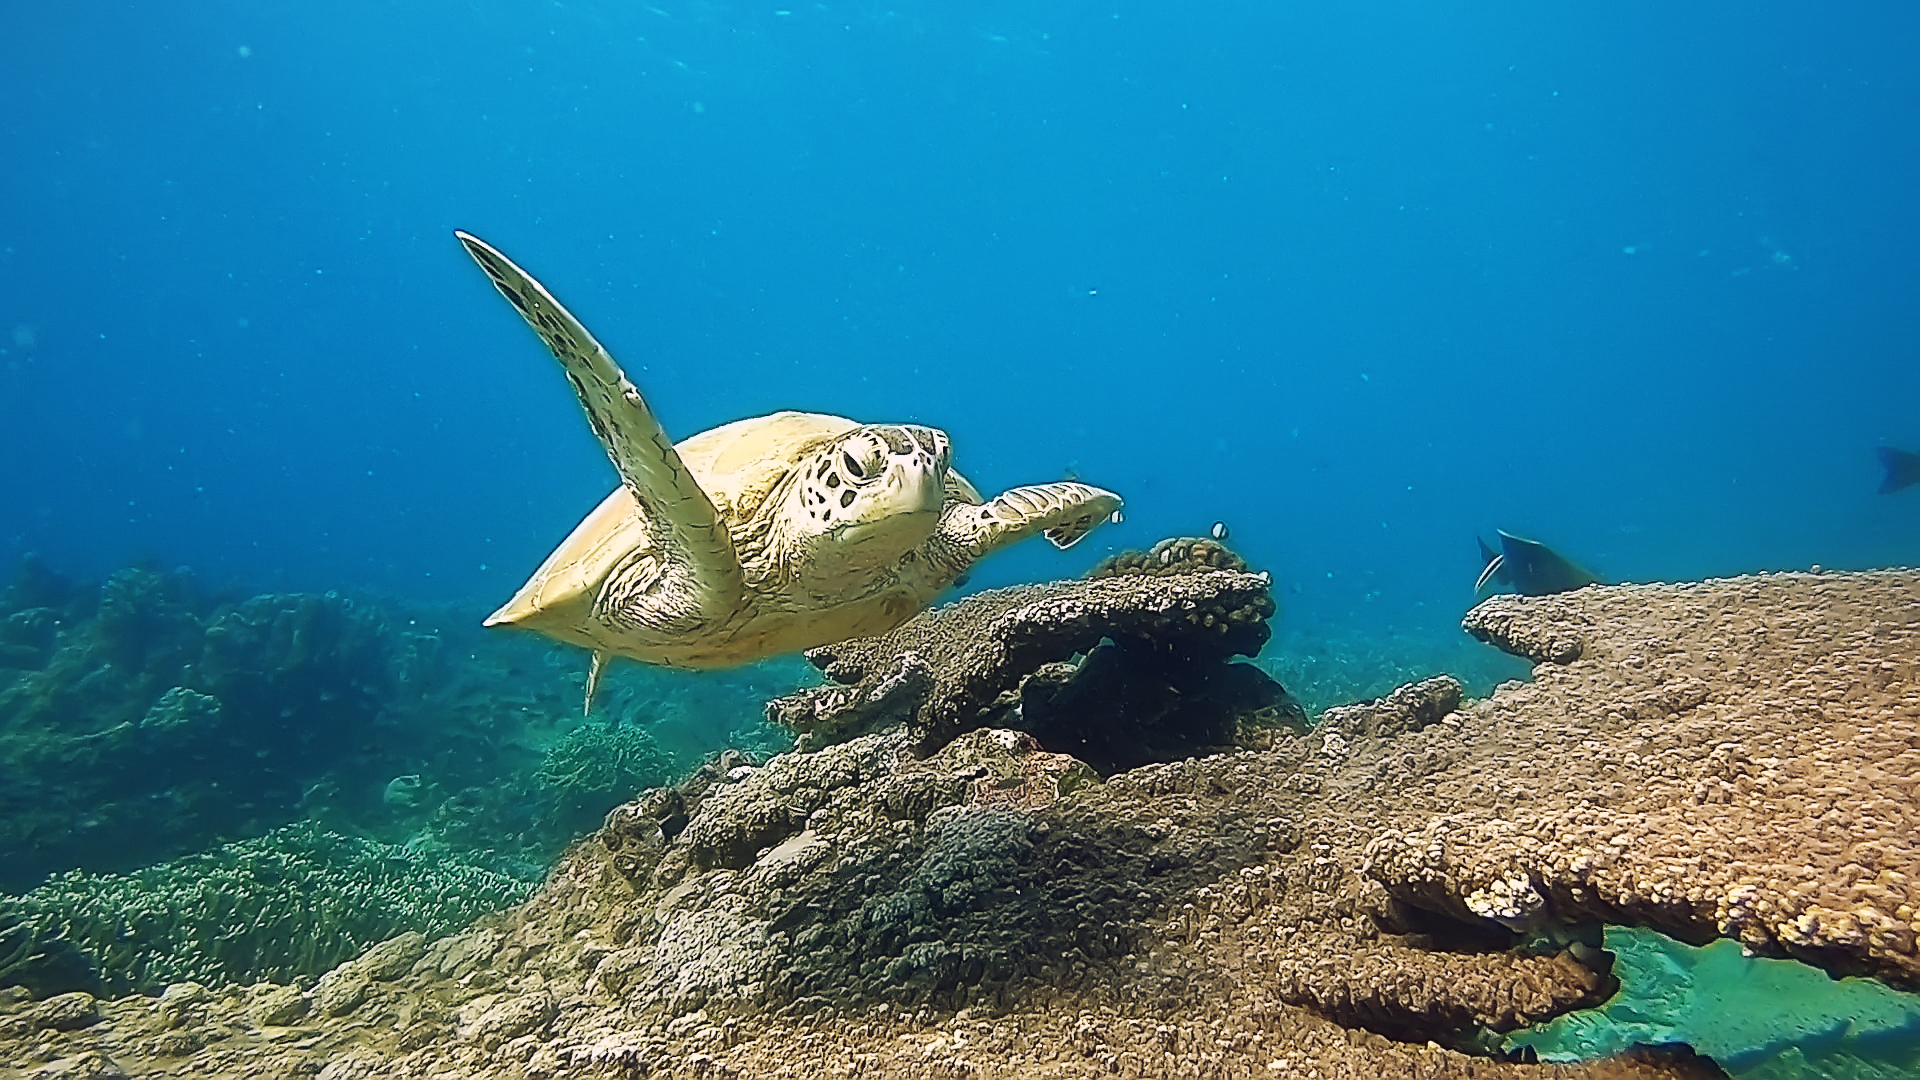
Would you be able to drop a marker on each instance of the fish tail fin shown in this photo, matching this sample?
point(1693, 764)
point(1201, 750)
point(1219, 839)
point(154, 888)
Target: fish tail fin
point(1493, 561)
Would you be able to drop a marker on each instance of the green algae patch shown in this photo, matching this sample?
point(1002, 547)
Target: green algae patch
point(1755, 1017)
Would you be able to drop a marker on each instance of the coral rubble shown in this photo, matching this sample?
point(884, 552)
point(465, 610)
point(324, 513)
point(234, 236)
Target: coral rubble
point(1388, 894)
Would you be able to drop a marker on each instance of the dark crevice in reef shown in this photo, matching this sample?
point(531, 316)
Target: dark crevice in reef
point(1125, 705)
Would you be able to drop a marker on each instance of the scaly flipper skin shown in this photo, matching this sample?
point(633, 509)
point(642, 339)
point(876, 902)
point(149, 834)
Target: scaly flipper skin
point(688, 534)
point(1064, 512)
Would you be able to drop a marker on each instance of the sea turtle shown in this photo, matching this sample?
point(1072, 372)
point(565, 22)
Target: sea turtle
point(763, 536)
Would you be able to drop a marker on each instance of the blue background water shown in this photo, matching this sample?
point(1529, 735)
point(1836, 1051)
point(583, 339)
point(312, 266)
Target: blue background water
point(1359, 279)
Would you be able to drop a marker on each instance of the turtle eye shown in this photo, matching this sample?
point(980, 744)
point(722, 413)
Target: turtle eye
point(865, 460)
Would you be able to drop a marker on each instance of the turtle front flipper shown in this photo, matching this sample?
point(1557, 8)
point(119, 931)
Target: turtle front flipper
point(1064, 512)
point(687, 529)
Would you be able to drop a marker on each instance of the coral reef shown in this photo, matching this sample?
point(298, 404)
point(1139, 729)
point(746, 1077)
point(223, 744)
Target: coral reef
point(596, 765)
point(1388, 894)
point(161, 717)
point(1731, 759)
point(294, 902)
point(150, 717)
point(1156, 630)
point(316, 665)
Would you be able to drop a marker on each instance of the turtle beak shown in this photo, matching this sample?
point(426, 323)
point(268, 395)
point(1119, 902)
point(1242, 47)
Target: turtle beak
point(914, 490)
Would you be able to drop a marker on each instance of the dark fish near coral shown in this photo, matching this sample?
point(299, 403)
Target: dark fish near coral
point(1903, 469)
point(1219, 531)
point(1530, 567)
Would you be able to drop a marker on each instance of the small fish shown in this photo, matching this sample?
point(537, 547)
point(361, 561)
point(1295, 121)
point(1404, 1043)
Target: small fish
point(1903, 469)
point(1220, 531)
point(1116, 517)
point(1530, 567)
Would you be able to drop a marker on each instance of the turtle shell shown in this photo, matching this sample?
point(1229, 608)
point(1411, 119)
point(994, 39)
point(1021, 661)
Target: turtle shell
point(736, 464)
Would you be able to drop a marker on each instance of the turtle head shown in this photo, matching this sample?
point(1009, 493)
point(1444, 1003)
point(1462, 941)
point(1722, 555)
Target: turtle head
point(867, 497)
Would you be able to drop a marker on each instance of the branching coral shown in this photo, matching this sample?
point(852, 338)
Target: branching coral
point(595, 760)
point(294, 902)
point(595, 766)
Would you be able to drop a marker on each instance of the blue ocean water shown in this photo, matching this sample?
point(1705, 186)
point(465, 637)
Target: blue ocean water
point(1359, 280)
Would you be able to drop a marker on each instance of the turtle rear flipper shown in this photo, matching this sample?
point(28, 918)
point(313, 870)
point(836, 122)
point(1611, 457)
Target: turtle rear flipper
point(687, 531)
point(1063, 512)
